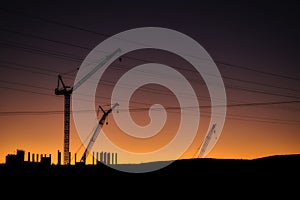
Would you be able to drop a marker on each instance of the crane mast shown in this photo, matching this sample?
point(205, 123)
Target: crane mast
point(67, 91)
point(96, 132)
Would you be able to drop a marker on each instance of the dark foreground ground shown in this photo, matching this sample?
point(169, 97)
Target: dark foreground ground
point(274, 176)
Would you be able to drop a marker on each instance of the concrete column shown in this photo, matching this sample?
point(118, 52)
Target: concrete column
point(108, 158)
point(28, 157)
point(101, 156)
point(104, 157)
point(58, 157)
point(93, 160)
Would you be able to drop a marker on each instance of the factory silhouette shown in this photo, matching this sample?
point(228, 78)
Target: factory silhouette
point(18, 159)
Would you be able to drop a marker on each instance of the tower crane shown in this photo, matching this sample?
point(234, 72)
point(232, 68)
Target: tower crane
point(67, 91)
point(207, 140)
point(96, 133)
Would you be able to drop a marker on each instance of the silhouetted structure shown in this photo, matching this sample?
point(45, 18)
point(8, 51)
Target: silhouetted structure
point(67, 91)
point(96, 132)
point(107, 158)
point(15, 159)
point(18, 159)
point(101, 157)
point(58, 157)
point(45, 160)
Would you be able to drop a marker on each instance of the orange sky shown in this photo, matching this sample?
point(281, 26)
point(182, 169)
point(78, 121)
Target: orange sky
point(254, 48)
point(241, 138)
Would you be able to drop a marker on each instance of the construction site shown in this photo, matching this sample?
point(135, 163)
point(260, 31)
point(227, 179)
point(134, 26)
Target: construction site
point(107, 158)
point(20, 159)
point(149, 71)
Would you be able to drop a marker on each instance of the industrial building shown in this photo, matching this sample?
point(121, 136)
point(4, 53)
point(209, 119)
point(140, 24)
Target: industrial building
point(19, 158)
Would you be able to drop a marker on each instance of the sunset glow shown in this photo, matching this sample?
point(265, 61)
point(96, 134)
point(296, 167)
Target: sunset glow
point(254, 49)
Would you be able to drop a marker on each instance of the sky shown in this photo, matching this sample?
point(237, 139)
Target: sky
point(254, 45)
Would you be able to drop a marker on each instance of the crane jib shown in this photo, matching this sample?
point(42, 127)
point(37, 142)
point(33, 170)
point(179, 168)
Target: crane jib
point(88, 75)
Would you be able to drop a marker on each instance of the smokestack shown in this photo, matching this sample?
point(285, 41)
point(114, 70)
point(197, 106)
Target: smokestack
point(28, 156)
point(75, 157)
point(116, 158)
point(33, 157)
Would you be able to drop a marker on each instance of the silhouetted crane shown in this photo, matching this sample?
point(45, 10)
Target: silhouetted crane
point(96, 133)
point(207, 140)
point(67, 91)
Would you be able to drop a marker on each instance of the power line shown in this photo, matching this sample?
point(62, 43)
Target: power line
point(260, 83)
point(137, 109)
point(32, 49)
point(157, 109)
point(107, 35)
point(258, 71)
point(226, 77)
point(26, 91)
point(228, 117)
point(53, 22)
point(110, 83)
point(233, 87)
point(228, 105)
point(9, 63)
point(223, 63)
point(44, 38)
point(24, 84)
